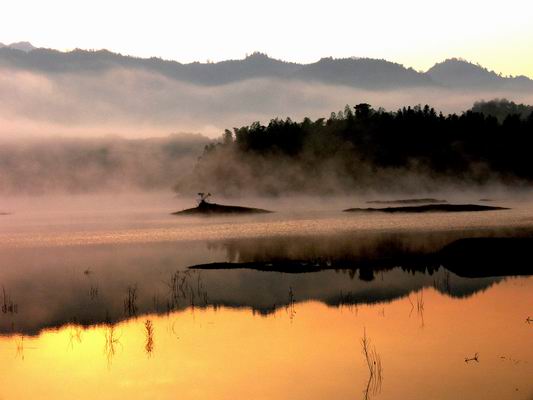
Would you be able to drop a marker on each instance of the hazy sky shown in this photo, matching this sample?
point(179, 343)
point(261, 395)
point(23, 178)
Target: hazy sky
point(417, 33)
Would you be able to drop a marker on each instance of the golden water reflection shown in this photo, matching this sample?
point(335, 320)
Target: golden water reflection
point(306, 351)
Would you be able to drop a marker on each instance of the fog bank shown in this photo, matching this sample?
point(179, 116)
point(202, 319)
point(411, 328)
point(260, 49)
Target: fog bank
point(135, 103)
point(88, 165)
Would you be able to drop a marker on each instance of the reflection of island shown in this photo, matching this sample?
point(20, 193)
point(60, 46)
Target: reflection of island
point(153, 278)
point(469, 257)
point(206, 208)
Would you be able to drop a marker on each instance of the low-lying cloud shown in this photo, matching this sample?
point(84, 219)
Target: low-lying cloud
point(135, 103)
point(88, 165)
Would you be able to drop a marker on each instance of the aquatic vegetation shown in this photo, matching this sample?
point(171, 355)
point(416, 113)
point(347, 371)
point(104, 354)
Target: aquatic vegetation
point(75, 335)
point(375, 368)
point(149, 329)
point(20, 347)
point(112, 341)
point(420, 302)
point(474, 358)
point(8, 305)
point(512, 360)
point(130, 302)
point(93, 292)
point(290, 305)
point(178, 287)
point(184, 289)
point(419, 305)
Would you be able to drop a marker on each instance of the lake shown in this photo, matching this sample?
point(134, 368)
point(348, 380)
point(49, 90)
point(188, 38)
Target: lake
point(102, 303)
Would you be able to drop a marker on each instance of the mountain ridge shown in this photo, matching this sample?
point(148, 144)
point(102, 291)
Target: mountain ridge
point(365, 73)
point(22, 46)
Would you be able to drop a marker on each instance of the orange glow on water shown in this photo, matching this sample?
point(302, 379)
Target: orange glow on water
point(311, 353)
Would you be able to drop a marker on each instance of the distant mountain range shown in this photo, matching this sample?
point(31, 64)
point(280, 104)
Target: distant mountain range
point(22, 46)
point(364, 73)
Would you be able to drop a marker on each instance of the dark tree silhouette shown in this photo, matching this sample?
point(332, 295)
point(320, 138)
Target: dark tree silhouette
point(359, 144)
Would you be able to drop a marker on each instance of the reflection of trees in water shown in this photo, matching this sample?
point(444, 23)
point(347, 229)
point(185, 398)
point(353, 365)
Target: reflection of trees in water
point(347, 300)
point(375, 368)
point(262, 293)
point(368, 253)
point(443, 284)
point(465, 253)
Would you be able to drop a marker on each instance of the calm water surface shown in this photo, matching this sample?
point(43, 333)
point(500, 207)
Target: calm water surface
point(101, 304)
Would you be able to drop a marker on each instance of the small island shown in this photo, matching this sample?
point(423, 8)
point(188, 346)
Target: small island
point(206, 208)
point(408, 201)
point(429, 208)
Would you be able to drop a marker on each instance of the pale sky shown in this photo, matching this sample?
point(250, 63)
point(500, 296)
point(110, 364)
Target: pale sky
point(416, 33)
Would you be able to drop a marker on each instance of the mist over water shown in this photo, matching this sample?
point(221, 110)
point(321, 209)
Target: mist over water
point(101, 283)
point(60, 165)
point(108, 289)
point(84, 261)
point(146, 217)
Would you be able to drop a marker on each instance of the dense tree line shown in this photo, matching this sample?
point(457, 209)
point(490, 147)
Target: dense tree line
point(363, 146)
point(502, 108)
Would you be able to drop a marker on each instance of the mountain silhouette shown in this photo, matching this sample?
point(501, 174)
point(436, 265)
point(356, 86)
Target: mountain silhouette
point(22, 46)
point(365, 73)
point(457, 73)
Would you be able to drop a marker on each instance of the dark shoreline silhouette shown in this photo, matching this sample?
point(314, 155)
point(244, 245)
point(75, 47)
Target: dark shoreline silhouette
point(429, 208)
point(408, 201)
point(479, 257)
point(488, 256)
point(286, 266)
point(364, 148)
point(205, 208)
